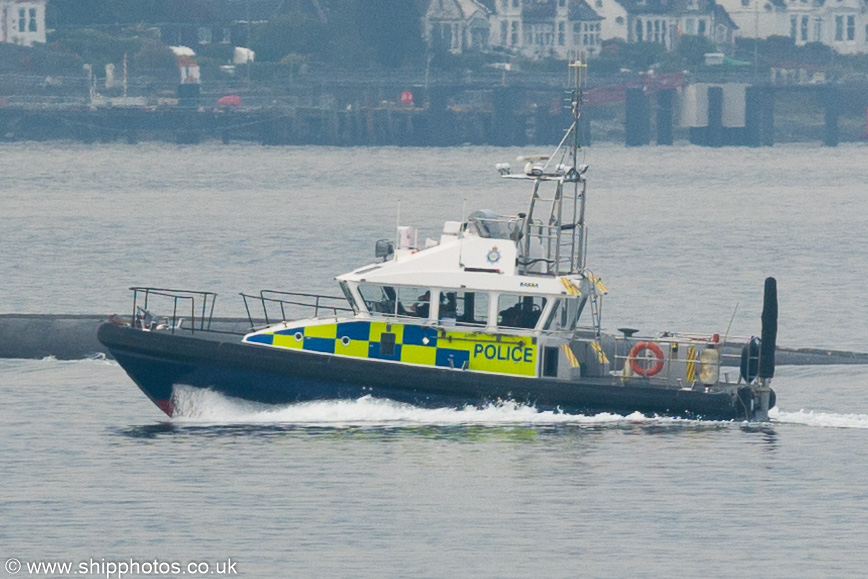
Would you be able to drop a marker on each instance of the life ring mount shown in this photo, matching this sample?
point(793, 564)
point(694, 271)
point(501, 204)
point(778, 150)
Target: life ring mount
point(639, 358)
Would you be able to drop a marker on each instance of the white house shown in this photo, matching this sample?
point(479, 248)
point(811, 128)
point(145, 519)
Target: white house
point(566, 28)
point(614, 23)
point(22, 21)
point(457, 25)
point(839, 24)
point(546, 28)
point(665, 21)
point(758, 18)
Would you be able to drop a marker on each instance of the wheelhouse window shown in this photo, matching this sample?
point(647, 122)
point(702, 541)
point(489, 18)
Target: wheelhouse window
point(349, 295)
point(405, 301)
point(415, 301)
point(464, 308)
point(379, 299)
point(518, 311)
point(565, 314)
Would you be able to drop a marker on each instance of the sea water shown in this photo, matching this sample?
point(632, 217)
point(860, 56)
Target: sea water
point(683, 237)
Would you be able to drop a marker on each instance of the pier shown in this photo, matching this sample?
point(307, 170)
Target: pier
point(706, 114)
point(741, 115)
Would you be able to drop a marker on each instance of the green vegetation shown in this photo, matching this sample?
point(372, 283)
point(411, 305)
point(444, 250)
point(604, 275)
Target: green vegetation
point(336, 33)
point(293, 33)
point(95, 46)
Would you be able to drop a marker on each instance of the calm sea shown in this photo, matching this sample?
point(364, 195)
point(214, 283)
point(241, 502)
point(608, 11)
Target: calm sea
point(91, 473)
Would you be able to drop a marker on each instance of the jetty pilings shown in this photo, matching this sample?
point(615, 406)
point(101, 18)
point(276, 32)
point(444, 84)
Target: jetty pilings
point(831, 110)
point(638, 118)
point(707, 114)
point(665, 112)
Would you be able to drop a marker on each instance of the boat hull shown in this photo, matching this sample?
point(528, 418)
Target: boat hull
point(158, 361)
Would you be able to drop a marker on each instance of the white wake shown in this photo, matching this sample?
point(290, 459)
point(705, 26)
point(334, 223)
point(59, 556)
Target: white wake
point(813, 418)
point(197, 406)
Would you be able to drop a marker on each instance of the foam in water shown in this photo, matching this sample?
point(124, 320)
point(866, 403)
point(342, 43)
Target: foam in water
point(811, 418)
point(194, 405)
point(98, 357)
point(199, 406)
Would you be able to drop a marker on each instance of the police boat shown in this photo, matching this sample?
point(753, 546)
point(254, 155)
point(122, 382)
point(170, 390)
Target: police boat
point(502, 308)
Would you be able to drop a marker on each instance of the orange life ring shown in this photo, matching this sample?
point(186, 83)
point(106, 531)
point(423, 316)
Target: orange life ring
point(634, 359)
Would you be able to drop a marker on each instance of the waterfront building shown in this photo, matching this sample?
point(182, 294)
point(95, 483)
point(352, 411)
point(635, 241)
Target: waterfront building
point(457, 25)
point(838, 24)
point(547, 28)
point(665, 21)
point(22, 22)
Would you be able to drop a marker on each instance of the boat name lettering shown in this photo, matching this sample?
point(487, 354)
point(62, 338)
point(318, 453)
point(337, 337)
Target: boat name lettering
point(516, 353)
point(528, 284)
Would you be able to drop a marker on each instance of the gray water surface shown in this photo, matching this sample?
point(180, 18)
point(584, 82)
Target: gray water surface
point(683, 237)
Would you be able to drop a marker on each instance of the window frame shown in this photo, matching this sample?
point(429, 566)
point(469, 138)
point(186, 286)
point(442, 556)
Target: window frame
point(451, 306)
point(521, 306)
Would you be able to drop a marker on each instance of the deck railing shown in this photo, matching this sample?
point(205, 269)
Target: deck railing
point(293, 305)
point(200, 317)
point(672, 361)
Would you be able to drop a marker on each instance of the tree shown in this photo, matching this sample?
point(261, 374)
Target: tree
point(292, 33)
point(641, 55)
point(62, 14)
point(155, 55)
point(95, 46)
point(691, 51)
point(393, 30)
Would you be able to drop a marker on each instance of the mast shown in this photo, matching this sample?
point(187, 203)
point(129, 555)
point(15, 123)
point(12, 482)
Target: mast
point(552, 240)
point(578, 195)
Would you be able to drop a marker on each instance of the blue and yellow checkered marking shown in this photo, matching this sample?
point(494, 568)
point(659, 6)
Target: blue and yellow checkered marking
point(412, 344)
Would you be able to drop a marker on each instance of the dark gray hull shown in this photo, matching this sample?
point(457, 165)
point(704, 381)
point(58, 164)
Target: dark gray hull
point(157, 361)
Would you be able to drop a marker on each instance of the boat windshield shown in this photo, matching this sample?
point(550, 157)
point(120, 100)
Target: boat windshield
point(463, 308)
point(487, 223)
point(565, 314)
point(396, 300)
point(519, 311)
